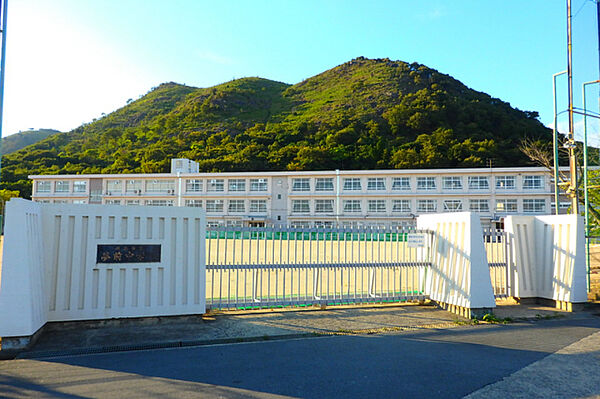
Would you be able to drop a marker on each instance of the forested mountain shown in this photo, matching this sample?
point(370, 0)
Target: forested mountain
point(16, 141)
point(364, 114)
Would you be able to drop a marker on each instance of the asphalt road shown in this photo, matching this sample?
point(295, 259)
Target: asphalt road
point(448, 363)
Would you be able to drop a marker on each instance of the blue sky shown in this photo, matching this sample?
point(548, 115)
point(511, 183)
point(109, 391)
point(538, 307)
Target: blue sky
point(69, 61)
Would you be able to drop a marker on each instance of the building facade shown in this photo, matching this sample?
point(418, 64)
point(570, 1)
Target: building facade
point(316, 198)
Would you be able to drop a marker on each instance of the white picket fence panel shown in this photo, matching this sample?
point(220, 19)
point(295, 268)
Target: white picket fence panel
point(74, 286)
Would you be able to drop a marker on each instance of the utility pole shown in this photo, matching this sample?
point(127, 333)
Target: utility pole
point(598, 27)
point(570, 144)
point(4, 6)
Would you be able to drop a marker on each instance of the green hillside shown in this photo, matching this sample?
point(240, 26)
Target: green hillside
point(16, 141)
point(364, 114)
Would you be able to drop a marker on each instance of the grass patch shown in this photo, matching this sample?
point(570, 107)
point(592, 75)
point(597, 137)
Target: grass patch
point(493, 319)
point(555, 315)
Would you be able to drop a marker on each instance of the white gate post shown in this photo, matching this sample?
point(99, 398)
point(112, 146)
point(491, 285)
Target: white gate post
point(459, 279)
point(549, 258)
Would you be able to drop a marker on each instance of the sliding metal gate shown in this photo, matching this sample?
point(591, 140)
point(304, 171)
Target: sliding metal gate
point(258, 267)
point(255, 267)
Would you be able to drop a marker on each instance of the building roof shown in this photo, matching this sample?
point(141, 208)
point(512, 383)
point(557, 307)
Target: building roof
point(521, 169)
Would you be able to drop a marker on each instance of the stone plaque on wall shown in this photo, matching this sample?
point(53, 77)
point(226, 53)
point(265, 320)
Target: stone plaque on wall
point(125, 253)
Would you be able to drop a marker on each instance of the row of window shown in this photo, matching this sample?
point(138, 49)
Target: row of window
point(423, 206)
point(191, 185)
point(211, 206)
point(423, 183)
point(324, 184)
point(61, 186)
point(326, 206)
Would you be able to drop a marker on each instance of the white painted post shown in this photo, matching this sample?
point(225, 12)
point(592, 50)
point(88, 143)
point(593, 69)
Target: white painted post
point(23, 305)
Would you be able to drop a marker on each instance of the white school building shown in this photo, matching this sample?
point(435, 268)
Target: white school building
point(316, 198)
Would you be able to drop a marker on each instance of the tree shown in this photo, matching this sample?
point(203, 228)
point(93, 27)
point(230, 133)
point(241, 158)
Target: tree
point(541, 153)
point(5, 195)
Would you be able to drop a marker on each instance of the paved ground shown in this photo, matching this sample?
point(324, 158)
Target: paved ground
point(483, 361)
point(390, 351)
point(74, 338)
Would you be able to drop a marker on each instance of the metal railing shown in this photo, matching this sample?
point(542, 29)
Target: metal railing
point(256, 267)
point(498, 257)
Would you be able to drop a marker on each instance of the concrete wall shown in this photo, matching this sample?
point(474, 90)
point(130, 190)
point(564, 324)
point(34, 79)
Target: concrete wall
point(459, 277)
point(50, 273)
point(549, 254)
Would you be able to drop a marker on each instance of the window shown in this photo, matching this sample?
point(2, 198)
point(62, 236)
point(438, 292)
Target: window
point(300, 184)
point(42, 187)
point(376, 184)
point(61, 201)
point(132, 202)
point(194, 203)
point(96, 195)
point(532, 182)
point(323, 224)
point(133, 186)
point(300, 206)
point(452, 205)
point(404, 224)
point(193, 186)
point(352, 184)
point(215, 185)
point(324, 184)
point(80, 201)
point(234, 223)
point(214, 206)
point(424, 206)
point(114, 186)
point(452, 183)
point(112, 202)
point(425, 183)
point(61, 186)
point(236, 206)
point(561, 205)
point(505, 182)
point(323, 206)
point(401, 183)
point(258, 184)
point(478, 183)
point(534, 205)
point(300, 225)
point(352, 206)
point(46, 201)
point(237, 185)
point(376, 206)
point(258, 206)
point(506, 205)
point(160, 186)
point(401, 206)
point(159, 202)
point(479, 205)
point(80, 186)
